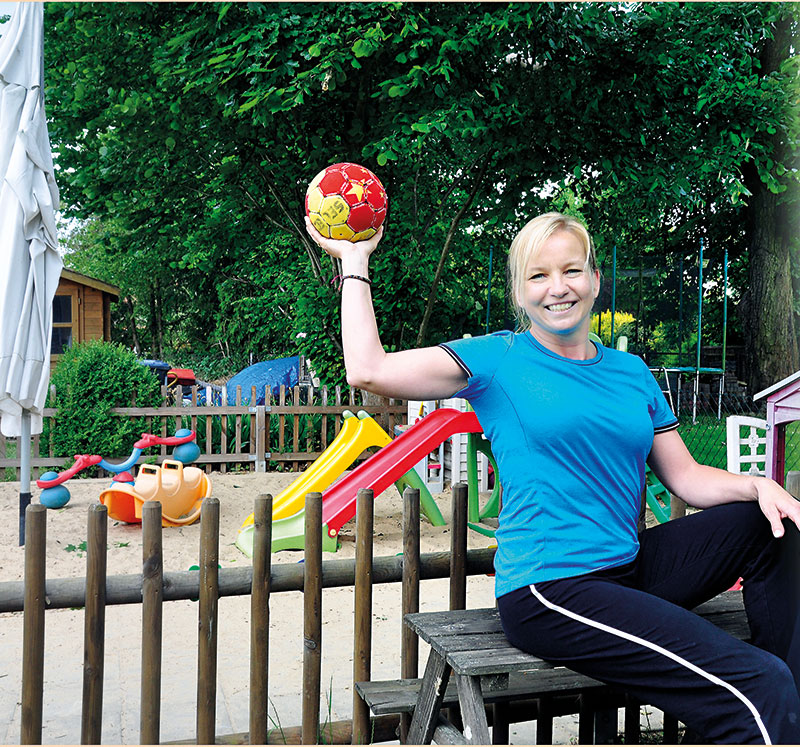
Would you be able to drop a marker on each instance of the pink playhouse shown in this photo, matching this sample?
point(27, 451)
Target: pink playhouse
point(783, 406)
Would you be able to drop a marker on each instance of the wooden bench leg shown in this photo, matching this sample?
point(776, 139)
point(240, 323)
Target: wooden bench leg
point(405, 722)
point(585, 721)
point(605, 726)
point(446, 733)
point(500, 730)
point(596, 725)
point(544, 722)
point(429, 701)
point(473, 712)
point(670, 729)
point(633, 729)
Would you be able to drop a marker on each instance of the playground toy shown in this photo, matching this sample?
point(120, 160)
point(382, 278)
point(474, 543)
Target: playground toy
point(346, 201)
point(390, 463)
point(180, 490)
point(55, 494)
point(783, 407)
point(358, 433)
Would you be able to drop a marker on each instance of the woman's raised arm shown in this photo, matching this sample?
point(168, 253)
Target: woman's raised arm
point(423, 373)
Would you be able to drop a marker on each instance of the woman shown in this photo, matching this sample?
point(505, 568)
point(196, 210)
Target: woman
point(572, 424)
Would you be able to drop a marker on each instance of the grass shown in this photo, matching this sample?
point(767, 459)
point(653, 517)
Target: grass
point(80, 548)
point(276, 722)
point(706, 441)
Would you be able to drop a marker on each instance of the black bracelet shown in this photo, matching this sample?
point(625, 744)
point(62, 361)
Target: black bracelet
point(357, 277)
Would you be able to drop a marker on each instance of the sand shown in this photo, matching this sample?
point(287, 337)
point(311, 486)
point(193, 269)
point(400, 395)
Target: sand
point(66, 533)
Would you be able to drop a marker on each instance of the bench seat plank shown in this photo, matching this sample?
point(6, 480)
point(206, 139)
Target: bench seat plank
point(454, 622)
point(400, 696)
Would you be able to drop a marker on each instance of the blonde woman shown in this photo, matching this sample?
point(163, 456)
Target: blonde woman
point(572, 425)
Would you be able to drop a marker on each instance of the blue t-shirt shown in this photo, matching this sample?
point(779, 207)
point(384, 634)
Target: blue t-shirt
point(571, 439)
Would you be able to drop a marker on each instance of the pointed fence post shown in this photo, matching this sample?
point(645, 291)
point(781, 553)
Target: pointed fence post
point(362, 645)
point(312, 618)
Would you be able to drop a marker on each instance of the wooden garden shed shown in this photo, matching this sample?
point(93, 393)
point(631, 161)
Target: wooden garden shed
point(81, 311)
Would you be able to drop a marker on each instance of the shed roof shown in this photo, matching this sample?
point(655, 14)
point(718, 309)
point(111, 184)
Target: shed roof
point(76, 277)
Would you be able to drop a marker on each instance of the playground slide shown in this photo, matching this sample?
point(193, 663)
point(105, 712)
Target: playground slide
point(288, 531)
point(288, 508)
point(342, 452)
point(358, 433)
point(392, 462)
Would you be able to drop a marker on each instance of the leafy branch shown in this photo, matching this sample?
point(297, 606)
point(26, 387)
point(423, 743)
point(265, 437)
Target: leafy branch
point(451, 231)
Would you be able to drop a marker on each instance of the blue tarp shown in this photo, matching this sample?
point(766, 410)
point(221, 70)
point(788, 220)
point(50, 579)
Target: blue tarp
point(271, 374)
point(159, 368)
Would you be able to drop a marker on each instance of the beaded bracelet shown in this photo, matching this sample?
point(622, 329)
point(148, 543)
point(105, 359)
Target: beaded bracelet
point(357, 277)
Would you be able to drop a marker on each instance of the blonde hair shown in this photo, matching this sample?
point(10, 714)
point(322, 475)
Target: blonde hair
point(529, 242)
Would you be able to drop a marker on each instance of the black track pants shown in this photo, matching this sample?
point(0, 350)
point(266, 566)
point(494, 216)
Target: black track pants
point(631, 625)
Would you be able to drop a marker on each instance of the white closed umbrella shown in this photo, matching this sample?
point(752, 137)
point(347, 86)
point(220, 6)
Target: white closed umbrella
point(30, 265)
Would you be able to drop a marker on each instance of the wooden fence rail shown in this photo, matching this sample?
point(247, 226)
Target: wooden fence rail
point(285, 432)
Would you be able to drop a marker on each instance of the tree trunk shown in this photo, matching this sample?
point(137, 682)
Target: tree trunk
point(770, 338)
point(137, 346)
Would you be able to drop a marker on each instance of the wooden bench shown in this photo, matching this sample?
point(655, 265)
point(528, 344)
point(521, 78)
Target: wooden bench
point(489, 672)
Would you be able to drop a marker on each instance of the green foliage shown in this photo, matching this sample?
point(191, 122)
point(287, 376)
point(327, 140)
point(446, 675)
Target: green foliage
point(186, 136)
point(91, 379)
point(601, 325)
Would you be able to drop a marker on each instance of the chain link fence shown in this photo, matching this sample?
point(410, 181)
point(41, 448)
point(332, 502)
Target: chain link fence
point(702, 411)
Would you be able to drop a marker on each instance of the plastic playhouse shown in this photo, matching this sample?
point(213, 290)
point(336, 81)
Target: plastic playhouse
point(783, 407)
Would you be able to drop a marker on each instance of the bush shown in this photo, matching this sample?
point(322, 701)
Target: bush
point(624, 324)
point(89, 380)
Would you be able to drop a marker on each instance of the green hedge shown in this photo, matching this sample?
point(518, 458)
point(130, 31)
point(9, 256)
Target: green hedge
point(92, 378)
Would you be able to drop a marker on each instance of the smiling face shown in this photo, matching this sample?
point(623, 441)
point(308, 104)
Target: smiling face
point(558, 291)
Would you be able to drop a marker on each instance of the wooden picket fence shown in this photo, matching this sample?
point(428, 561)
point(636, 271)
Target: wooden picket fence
point(286, 433)
point(154, 587)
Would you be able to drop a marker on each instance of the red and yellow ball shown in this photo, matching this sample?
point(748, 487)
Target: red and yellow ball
point(346, 201)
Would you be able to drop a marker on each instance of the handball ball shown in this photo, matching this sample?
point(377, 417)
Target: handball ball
point(346, 201)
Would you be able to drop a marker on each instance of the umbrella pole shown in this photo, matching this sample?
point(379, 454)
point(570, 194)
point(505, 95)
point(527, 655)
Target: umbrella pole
point(24, 446)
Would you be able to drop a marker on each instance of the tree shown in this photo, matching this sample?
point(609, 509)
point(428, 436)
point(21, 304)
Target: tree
point(194, 134)
point(772, 233)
